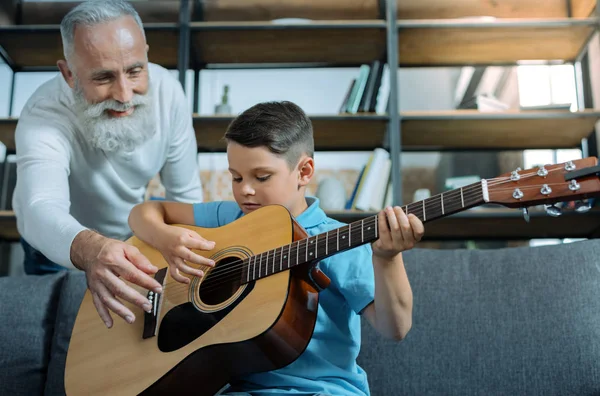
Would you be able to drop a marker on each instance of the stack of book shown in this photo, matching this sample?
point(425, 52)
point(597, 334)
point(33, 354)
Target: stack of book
point(369, 91)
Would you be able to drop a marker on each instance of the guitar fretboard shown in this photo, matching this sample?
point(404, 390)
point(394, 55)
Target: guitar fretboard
point(326, 244)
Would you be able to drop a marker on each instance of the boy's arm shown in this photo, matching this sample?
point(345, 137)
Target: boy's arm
point(391, 312)
point(150, 221)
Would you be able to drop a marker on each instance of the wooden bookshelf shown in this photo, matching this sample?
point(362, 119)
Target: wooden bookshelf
point(443, 42)
point(341, 43)
point(471, 129)
point(8, 226)
point(437, 130)
point(7, 132)
point(335, 132)
point(31, 47)
point(502, 224)
point(443, 9)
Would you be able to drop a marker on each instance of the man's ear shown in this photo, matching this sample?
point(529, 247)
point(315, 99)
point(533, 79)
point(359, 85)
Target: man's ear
point(66, 73)
point(306, 170)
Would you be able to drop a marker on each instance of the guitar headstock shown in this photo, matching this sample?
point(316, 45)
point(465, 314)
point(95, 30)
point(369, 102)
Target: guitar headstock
point(546, 184)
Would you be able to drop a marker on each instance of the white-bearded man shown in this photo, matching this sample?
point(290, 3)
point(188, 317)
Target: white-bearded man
point(88, 142)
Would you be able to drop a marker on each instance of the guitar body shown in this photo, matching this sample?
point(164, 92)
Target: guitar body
point(202, 338)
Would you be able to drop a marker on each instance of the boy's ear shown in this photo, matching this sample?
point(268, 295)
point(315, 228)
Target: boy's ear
point(306, 170)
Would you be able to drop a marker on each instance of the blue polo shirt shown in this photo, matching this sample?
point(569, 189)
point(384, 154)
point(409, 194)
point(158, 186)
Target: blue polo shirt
point(328, 364)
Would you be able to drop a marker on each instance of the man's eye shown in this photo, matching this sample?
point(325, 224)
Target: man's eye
point(263, 178)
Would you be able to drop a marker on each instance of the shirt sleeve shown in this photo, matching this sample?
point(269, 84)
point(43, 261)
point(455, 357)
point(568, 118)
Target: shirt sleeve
point(352, 273)
point(180, 175)
point(216, 214)
point(42, 199)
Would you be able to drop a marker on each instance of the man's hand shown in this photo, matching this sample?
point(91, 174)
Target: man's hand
point(106, 263)
point(176, 244)
point(402, 234)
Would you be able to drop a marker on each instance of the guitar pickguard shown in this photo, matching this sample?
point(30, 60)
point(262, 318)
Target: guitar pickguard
point(185, 323)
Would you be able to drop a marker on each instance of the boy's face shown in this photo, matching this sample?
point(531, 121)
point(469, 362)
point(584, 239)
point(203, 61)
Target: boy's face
point(261, 178)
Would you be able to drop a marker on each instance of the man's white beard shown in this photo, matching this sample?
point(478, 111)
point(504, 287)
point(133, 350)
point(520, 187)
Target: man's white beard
point(114, 134)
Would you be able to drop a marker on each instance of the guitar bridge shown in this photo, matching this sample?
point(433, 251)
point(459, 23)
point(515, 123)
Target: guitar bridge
point(151, 318)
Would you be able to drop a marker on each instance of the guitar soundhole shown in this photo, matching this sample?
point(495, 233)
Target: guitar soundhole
point(222, 282)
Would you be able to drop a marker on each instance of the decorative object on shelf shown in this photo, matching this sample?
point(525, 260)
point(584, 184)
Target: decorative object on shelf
point(421, 194)
point(332, 194)
point(224, 107)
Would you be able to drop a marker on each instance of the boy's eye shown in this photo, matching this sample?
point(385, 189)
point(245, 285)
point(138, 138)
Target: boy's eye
point(263, 178)
point(237, 179)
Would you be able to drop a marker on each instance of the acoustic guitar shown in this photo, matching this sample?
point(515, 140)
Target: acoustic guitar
point(256, 309)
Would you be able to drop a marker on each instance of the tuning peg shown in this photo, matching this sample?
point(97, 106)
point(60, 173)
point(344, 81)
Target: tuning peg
point(525, 214)
point(582, 206)
point(553, 210)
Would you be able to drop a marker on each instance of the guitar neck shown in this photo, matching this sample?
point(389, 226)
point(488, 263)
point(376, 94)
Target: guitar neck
point(355, 234)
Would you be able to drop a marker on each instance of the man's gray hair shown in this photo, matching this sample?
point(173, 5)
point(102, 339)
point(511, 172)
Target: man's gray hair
point(92, 12)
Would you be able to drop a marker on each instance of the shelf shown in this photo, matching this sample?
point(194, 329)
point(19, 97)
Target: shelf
point(502, 224)
point(8, 226)
point(429, 9)
point(39, 47)
point(331, 133)
point(7, 132)
point(421, 131)
point(332, 43)
point(456, 42)
point(471, 129)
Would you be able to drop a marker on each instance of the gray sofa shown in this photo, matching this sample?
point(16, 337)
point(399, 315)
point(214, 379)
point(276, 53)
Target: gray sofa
point(519, 321)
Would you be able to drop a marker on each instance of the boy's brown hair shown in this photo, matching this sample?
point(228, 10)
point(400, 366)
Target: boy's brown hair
point(282, 127)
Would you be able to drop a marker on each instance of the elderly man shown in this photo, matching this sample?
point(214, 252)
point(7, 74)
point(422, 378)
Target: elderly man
point(88, 142)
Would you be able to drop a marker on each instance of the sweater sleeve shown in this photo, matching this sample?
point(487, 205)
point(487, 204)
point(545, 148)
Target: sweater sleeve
point(41, 200)
point(180, 175)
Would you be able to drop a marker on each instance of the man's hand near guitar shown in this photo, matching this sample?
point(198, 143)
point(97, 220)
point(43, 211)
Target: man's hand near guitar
point(391, 313)
point(106, 262)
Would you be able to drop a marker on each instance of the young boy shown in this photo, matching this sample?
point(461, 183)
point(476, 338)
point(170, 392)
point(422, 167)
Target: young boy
point(270, 152)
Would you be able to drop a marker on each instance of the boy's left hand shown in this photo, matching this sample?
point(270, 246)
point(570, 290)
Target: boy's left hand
point(402, 234)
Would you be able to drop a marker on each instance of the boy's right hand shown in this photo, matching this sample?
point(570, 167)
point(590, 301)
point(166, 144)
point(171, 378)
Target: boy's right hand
point(175, 245)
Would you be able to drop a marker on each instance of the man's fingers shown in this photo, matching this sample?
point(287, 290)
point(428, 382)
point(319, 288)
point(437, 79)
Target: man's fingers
point(120, 289)
point(128, 271)
point(139, 260)
point(108, 299)
point(102, 310)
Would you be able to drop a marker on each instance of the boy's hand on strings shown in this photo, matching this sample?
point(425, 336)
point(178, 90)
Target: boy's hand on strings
point(176, 244)
point(397, 232)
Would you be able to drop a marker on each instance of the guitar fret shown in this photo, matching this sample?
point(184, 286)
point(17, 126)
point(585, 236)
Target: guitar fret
point(306, 251)
point(297, 251)
point(289, 255)
point(462, 200)
point(281, 260)
point(362, 231)
point(260, 264)
point(442, 200)
point(273, 270)
point(424, 216)
point(349, 234)
point(326, 243)
point(338, 239)
point(406, 209)
point(316, 244)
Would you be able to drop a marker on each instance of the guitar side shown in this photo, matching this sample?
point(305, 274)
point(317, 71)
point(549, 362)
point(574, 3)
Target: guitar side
point(269, 326)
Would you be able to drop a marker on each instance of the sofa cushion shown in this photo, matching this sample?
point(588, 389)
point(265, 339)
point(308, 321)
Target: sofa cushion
point(28, 309)
point(518, 321)
point(71, 295)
